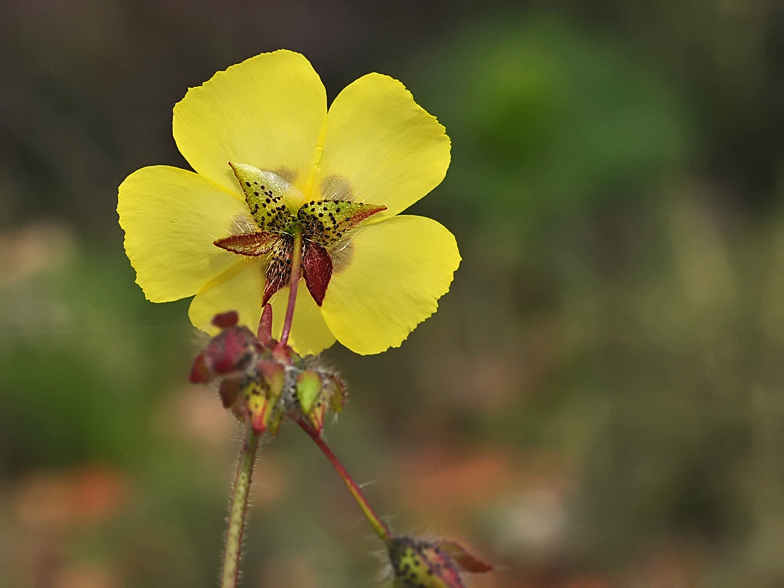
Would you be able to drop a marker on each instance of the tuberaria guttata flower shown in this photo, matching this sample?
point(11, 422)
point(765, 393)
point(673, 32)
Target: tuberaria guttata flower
point(271, 161)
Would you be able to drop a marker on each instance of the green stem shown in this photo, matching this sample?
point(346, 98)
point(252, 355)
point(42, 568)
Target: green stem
point(378, 525)
point(239, 504)
point(296, 258)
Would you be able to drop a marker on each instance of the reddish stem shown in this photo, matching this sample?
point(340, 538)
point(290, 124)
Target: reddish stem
point(296, 258)
point(378, 525)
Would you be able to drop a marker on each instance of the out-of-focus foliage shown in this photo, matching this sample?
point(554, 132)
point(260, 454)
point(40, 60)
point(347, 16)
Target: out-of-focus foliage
point(598, 401)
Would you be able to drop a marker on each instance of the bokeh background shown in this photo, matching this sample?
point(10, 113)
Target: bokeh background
point(598, 401)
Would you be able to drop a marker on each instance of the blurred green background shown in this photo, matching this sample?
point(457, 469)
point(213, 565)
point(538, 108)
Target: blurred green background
point(597, 403)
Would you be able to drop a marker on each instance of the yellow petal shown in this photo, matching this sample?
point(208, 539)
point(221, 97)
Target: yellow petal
point(268, 111)
point(238, 288)
point(171, 218)
point(394, 275)
point(381, 147)
point(309, 332)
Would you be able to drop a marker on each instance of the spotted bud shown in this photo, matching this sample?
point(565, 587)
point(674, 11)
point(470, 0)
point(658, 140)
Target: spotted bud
point(417, 563)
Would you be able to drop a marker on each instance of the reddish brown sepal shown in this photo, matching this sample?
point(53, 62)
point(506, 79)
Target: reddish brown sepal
point(265, 325)
point(250, 244)
point(229, 390)
point(367, 211)
point(226, 320)
point(466, 561)
point(200, 372)
point(317, 268)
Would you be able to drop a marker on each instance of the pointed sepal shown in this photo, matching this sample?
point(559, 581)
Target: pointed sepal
point(229, 391)
point(467, 561)
point(335, 388)
point(326, 222)
point(308, 390)
point(270, 197)
point(248, 244)
point(317, 270)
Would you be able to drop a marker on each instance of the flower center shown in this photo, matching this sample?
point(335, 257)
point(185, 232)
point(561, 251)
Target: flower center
point(280, 212)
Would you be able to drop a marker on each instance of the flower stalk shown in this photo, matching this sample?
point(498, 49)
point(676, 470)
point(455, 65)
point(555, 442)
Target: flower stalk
point(378, 525)
point(296, 262)
point(239, 505)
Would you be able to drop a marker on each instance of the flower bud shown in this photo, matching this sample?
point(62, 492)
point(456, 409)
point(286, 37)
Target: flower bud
point(263, 380)
point(230, 351)
point(262, 393)
point(418, 563)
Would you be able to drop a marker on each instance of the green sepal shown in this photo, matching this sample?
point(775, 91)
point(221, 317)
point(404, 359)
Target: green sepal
point(270, 197)
point(326, 222)
point(308, 390)
point(336, 388)
point(273, 424)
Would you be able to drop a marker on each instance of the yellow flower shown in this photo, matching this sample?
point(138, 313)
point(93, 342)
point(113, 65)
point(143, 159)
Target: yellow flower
point(264, 124)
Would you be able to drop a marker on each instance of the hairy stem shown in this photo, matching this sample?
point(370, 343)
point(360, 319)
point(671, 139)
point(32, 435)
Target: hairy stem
point(296, 258)
point(239, 503)
point(378, 525)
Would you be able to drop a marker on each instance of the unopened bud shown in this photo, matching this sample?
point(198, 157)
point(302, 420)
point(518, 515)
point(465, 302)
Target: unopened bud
point(230, 351)
point(431, 564)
